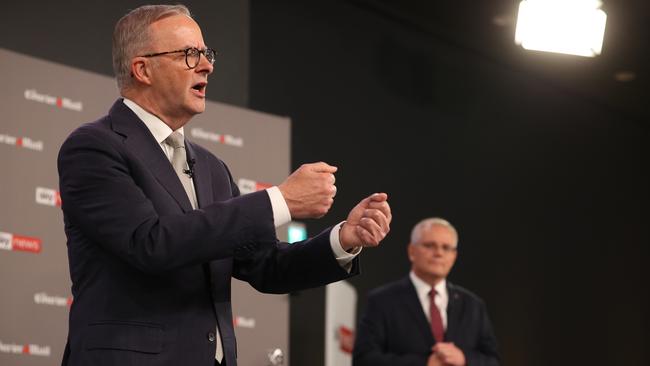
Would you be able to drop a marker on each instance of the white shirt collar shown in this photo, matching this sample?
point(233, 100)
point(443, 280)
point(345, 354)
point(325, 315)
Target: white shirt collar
point(422, 288)
point(159, 129)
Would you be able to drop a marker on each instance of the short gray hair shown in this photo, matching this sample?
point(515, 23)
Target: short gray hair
point(427, 224)
point(131, 37)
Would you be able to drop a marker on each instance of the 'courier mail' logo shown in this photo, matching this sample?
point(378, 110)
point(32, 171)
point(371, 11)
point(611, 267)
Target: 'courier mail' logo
point(24, 142)
point(48, 197)
point(250, 186)
point(225, 139)
point(25, 349)
point(42, 298)
point(19, 243)
point(243, 322)
point(60, 102)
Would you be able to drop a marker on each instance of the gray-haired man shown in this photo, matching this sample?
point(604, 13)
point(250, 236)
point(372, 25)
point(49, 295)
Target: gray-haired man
point(156, 226)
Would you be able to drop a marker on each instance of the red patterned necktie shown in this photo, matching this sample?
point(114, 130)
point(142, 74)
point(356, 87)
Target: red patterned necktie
point(436, 320)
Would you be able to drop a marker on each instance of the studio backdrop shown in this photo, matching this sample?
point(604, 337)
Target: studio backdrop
point(39, 109)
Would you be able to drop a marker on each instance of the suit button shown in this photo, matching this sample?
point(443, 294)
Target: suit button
point(212, 337)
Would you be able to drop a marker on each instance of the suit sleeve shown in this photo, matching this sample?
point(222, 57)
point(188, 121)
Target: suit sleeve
point(371, 344)
point(104, 205)
point(485, 352)
point(282, 267)
point(278, 268)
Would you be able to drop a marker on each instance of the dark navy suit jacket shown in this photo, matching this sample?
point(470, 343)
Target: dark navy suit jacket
point(150, 276)
point(395, 331)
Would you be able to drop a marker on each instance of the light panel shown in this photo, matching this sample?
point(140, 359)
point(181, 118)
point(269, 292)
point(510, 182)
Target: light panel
point(574, 27)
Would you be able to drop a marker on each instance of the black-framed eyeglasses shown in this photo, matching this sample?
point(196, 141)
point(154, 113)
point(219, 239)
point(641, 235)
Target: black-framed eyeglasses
point(192, 55)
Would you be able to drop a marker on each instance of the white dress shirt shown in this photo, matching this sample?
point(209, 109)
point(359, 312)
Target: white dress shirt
point(442, 297)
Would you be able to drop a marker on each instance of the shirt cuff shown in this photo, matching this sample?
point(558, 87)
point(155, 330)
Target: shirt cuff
point(342, 257)
point(281, 214)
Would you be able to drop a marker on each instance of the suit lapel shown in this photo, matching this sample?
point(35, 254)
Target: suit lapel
point(201, 176)
point(454, 312)
point(414, 308)
point(141, 143)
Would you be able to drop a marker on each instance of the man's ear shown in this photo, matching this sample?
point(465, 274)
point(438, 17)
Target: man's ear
point(141, 70)
point(409, 250)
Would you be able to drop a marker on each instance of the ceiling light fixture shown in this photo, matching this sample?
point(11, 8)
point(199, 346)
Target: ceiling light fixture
point(574, 27)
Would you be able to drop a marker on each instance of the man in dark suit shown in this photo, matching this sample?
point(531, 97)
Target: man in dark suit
point(156, 226)
point(423, 320)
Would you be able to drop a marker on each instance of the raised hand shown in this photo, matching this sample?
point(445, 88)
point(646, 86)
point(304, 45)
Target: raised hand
point(310, 190)
point(368, 222)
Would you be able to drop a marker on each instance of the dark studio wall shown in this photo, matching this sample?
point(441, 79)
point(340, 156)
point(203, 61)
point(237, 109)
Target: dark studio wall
point(78, 33)
point(548, 188)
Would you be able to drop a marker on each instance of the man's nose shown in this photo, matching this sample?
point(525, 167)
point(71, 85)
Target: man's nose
point(204, 65)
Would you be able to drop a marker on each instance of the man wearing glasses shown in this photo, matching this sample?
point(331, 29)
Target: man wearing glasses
point(156, 226)
point(423, 320)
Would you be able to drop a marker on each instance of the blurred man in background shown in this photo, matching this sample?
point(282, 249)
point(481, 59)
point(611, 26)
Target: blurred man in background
point(423, 319)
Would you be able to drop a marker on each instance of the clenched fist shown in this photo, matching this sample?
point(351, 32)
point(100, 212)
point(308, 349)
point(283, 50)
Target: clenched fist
point(310, 190)
point(368, 223)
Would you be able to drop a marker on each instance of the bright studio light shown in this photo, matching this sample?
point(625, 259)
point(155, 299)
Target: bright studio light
point(574, 27)
point(296, 231)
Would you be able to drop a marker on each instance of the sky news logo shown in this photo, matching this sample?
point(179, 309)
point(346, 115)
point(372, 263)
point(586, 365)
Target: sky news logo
point(250, 186)
point(42, 298)
point(60, 102)
point(19, 243)
point(24, 142)
point(25, 349)
point(219, 138)
point(48, 197)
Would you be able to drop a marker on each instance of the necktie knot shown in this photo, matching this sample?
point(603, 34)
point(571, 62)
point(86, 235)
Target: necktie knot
point(175, 140)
